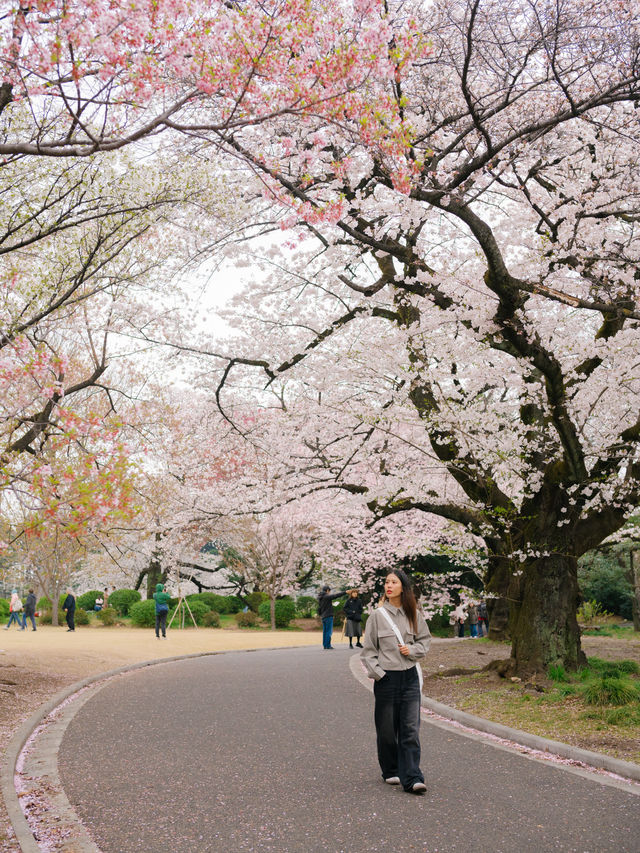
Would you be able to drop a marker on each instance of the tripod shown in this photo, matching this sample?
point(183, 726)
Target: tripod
point(181, 610)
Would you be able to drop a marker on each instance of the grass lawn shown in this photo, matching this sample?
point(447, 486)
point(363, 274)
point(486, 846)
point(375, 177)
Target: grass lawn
point(597, 708)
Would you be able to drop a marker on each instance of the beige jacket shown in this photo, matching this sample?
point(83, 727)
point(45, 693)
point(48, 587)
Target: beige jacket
point(381, 653)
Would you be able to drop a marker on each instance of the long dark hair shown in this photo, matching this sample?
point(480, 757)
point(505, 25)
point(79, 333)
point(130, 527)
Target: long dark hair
point(409, 604)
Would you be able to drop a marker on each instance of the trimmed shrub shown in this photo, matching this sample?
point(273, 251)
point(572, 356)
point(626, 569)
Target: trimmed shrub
point(4, 608)
point(87, 601)
point(45, 617)
point(306, 607)
point(220, 603)
point(207, 598)
point(142, 613)
point(285, 611)
point(123, 599)
point(211, 619)
point(81, 617)
point(247, 620)
point(198, 608)
point(255, 599)
point(44, 603)
point(107, 615)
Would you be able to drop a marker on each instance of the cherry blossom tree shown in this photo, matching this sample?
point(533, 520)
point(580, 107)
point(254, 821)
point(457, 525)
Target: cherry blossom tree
point(82, 77)
point(497, 242)
point(453, 313)
point(53, 561)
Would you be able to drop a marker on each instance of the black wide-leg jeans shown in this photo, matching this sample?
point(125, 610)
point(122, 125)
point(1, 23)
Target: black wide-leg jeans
point(397, 718)
point(161, 622)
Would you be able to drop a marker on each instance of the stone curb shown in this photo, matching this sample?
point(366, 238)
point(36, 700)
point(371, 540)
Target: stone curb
point(26, 840)
point(626, 769)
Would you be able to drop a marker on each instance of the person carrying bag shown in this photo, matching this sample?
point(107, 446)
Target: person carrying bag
point(397, 638)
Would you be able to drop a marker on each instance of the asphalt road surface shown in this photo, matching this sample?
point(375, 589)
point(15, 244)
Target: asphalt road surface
point(275, 751)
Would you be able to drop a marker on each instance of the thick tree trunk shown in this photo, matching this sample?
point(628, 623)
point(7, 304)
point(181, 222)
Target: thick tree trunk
point(544, 627)
point(634, 579)
point(497, 585)
point(154, 575)
point(55, 604)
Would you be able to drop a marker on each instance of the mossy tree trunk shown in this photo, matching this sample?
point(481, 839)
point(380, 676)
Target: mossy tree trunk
point(543, 625)
point(634, 580)
point(497, 583)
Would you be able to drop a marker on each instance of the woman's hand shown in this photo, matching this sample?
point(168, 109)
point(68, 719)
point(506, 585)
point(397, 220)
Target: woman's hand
point(404, 650)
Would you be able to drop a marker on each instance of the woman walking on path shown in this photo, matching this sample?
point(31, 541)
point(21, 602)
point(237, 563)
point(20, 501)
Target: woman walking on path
point(353, 611)
point(397, 636)
point(15, 609)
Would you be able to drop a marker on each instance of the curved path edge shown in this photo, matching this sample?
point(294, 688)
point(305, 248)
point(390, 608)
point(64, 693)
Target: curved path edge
point(19, 823)
point(28, 844)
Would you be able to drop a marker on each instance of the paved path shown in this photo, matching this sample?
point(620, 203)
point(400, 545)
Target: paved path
point(274, 751)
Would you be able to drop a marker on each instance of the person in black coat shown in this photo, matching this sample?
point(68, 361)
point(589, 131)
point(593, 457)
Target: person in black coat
point(30, 609)
point(325, 612)
point(353, 611)
point(69, 608)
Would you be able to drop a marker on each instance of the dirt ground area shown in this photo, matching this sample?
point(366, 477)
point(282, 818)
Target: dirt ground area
point(35, 666)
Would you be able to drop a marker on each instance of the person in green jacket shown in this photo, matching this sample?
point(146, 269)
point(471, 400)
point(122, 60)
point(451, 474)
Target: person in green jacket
point(162, 608)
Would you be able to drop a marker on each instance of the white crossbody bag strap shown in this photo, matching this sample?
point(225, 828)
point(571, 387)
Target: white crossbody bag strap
point(396, 631)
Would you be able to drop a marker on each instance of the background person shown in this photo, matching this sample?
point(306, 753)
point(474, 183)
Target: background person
point(162, 600)
point(15, 611)
point(30, 610)
point(459, 615)
point(353, 611)
point(472, 615)
point(325, 612)
point(69, 608)
point(483, 619)
point(392, 665)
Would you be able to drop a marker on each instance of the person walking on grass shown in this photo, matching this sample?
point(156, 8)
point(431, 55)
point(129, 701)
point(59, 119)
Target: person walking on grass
point(353, 611)
point(162, 600)
point(397, 638)
point(15, 611)
point(69, 608)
